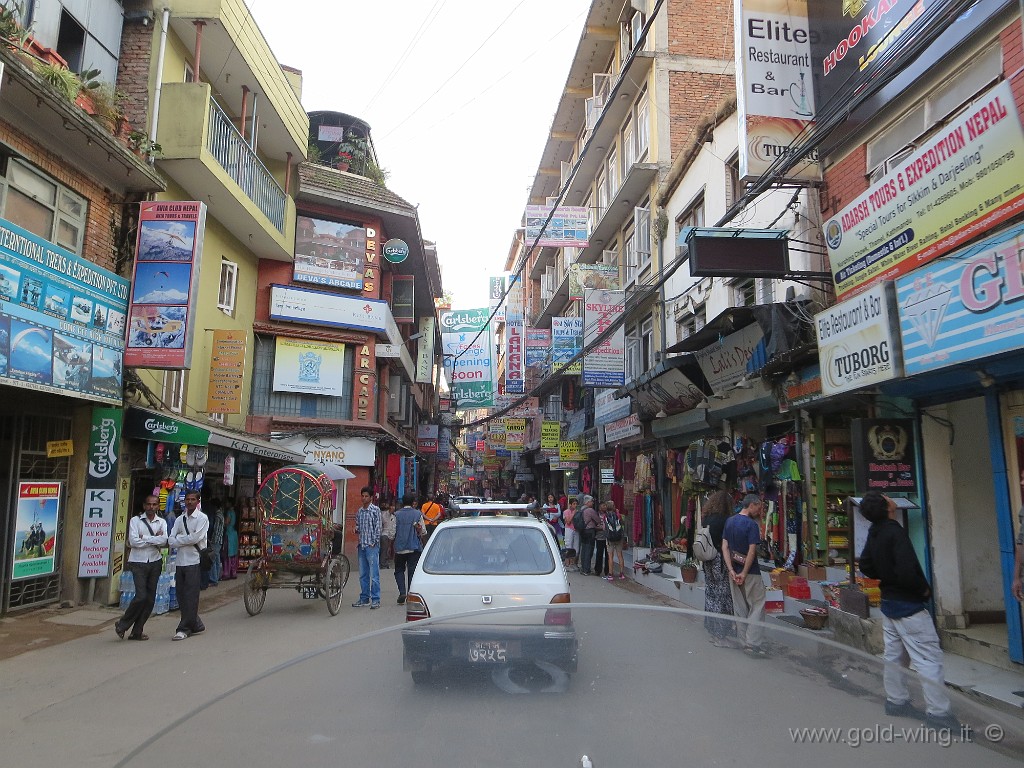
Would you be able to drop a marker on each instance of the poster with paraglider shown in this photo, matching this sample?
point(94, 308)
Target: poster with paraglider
point(36, 529)
point(164, 285)
point(62, 321)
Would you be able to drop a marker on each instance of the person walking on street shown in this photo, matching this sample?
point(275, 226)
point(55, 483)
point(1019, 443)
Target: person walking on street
point(553, 515)
point(600, 542)
point(615, 535)
point(189, 537)
point(433, 513)
point(907, 627)
point(739, 551)
point(408, 529)
point(588, 536)
point(147, 533)
point(368, 525)
point(572, 538)
point(387, 534)
point(717, 590)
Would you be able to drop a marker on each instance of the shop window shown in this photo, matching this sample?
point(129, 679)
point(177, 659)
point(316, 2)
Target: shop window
point(267, 402)
point(44, 207)
point(173, 395)
point(228, 286)
point(403, 298)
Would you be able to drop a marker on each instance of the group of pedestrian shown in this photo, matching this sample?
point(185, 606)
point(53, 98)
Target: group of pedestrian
point(401, 532)
point(592, 535)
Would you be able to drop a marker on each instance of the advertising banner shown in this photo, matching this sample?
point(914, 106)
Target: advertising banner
point(35, 529)
point(227, 372)
point(963, 308)
point(496, 294)
point(515, 354)
point(334, 310)
point(550, 434)
point(515, 433)
point(165, 282)
point(857, 346)
point(584, 276)
point(425, 351)
point(329, 253)
point(63, 320)
point(623, 429)
point(567, 228)
point(313, 367)
point(724, 363)
point(100, 494)
point(571, 450)
point(605, 365)
point(962, 183)
point(538, 346)
point(883, 455)
point(774, 84)
point(444, 443)
point(426, 438)
point(566, 342)
point(607, 409)
point(467, 356)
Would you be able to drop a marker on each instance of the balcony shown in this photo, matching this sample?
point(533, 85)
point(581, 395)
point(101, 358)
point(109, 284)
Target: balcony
point(554, 306)
point(205, 154)
point(634, 188)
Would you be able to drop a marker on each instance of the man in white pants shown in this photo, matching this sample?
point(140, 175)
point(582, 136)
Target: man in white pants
point(910, 637)
point(740, 538)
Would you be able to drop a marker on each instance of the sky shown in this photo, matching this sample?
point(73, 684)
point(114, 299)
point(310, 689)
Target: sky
point(459, 95)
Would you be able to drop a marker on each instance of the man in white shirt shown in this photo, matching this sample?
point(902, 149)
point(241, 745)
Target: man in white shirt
point(146, 534)
point(188, 537)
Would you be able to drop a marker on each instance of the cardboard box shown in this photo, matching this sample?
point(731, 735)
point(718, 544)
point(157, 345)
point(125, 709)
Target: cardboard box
point(774, 602)
point(812, 572)
point(781, 578)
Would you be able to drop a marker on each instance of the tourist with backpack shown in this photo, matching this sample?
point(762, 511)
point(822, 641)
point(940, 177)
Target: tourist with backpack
point(572, 538)
point(588, 533)
point(600, 543)
point(615, 535)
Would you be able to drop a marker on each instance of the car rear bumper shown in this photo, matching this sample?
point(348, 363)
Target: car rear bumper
point(429, 647)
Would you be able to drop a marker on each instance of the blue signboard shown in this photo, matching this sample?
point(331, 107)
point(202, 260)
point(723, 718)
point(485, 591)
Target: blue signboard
point(964, 306)
point(62, 319)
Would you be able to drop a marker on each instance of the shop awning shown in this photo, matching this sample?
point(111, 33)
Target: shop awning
point(673, 386)
point(785, 325)
point(145, 424)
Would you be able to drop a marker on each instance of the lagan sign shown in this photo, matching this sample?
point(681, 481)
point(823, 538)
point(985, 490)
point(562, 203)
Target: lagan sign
point(963, 182)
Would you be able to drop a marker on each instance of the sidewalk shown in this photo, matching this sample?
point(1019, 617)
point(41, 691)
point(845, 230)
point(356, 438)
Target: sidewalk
point(36, 628)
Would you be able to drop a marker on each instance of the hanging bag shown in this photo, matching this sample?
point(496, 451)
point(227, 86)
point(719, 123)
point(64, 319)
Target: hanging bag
point(703, 547)
point(613, 527)
point(205, 555)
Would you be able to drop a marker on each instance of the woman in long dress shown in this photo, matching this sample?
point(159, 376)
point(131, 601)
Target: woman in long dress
point(717, 592)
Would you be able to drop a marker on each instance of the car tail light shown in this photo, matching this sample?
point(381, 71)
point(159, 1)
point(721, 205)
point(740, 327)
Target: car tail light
point(415, 608)
point(558, 616)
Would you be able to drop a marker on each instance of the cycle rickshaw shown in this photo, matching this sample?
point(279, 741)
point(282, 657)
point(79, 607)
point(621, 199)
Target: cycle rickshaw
point(295, 516)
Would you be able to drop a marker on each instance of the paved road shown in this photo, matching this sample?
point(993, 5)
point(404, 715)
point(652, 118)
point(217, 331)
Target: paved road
point(650, 689)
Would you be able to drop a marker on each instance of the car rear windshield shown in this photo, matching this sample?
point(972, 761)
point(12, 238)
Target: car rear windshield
point(488, 549)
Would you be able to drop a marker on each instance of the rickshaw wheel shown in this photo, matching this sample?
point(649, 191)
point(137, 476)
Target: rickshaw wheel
point(255, 588)
point(337, 577)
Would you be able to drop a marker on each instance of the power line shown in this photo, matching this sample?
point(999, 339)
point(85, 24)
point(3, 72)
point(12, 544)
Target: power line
point(416, 37)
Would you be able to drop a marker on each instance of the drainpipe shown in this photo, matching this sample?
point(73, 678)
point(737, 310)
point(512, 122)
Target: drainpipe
point(245, 105)
point(661, 293)
point(199, 49)
point(288, 173)
point(159, 79)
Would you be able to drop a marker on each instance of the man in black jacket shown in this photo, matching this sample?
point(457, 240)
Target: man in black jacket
point(910, 637)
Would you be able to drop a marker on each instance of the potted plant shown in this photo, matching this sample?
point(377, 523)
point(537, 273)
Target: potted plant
point(66, 82)
point(688, 570)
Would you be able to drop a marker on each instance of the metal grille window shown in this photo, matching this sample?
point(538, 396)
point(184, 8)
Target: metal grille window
point(43, 206)
point(744, 293)
point(267, 402)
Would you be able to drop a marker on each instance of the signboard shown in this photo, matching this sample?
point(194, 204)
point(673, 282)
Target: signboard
point(605, 364)
point(564, 466)
point(584, 276)
point(623, 429)
point(856, 341)
point(515, 433)
point(99, 510)
point(567, 227)
point(725, 362)
point(313, 367)
point(56, 449)
point(467, 356)
point(425, 351)
point(775, 94)
point(883, 455)
point(481, 445)
point(227, 372)
point(670, 393)
point(963, 182)
point(149, 425)
point(426, 438)
point(165, 282)
point(496, 300)
point(334, 310)
point(391, 351)
point(550, 434)
point(607, 475)
point(330, 253)
point(566, 342)
point(515, 362)
point(607, 409)
point(538, 344)
point(35, 529)
point(571, 450)
point(63, 320)
point(396, 251)
point(963, 308)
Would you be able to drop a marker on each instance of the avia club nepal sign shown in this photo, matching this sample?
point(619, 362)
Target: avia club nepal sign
point(466, 345)
point(962, 183)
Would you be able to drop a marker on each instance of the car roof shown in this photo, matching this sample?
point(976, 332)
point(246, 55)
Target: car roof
point(500, 519)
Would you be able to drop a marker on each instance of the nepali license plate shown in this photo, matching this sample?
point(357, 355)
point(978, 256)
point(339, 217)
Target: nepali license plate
point(310, 593)
point(488, 651)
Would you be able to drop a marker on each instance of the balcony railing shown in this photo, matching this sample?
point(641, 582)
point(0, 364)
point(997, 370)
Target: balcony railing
point(236, 157)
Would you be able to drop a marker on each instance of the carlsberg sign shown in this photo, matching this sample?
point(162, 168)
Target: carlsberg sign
point(466, 341)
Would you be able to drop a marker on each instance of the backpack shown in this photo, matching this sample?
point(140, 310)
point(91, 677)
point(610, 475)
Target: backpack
point(613, 527)
point(703, 548)
point(578, 522)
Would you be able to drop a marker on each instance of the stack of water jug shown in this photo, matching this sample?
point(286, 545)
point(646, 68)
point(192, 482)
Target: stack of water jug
point(166, 600)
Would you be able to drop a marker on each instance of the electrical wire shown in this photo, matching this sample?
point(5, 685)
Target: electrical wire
point(432, 14)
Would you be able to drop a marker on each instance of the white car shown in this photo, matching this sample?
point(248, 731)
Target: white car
point(476, 563)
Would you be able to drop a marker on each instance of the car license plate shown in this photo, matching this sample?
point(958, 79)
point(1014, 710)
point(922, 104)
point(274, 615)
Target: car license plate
point(488, 651)
point(310, 593)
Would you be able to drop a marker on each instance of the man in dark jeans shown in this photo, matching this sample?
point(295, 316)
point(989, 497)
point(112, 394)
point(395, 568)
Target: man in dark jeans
point(408, 528)
point(146, 534)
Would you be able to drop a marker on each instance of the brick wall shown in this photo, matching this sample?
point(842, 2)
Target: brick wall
point(844, 181)
point(704, 29)
point(133, 69)
point(104, 216)
point(693, 97)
